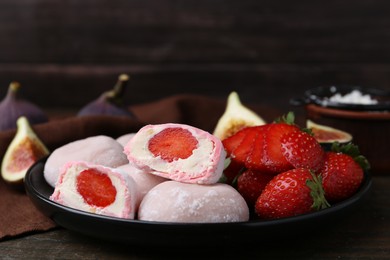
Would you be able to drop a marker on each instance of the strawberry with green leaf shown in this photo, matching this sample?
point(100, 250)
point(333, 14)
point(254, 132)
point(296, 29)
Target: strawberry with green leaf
point(343, 171)
point(291, 193)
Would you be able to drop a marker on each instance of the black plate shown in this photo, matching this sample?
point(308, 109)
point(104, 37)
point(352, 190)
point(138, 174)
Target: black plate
point(320, 96)
point(158, 233)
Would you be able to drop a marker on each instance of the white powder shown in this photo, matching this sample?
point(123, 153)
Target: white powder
point(354, 97)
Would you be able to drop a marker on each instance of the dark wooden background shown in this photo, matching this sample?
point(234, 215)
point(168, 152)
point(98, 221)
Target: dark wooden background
point(65, 53)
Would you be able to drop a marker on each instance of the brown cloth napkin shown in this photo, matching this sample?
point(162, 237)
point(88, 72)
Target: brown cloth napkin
point(18, 216)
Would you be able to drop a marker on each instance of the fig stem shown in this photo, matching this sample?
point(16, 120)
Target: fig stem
point(14, 86)
point(115, 95)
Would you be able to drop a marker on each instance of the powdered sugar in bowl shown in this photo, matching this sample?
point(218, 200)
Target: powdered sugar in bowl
point(363, 112)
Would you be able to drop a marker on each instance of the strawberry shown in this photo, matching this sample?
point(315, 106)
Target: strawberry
point(291, 193)
point(273, 157)
point(240, 154)
point(302, 150)
point(96, 188)
point(342, 172)
point(250, 184)
point(255, 160)
point(232, 142)
point(172, 144)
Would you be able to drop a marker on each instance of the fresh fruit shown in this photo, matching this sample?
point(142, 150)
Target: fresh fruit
point(231, 143)
point(250, 184)
point(302, 150)
point(110, 102)
point(274, 159)
point(241, 152)
point(256, 158)
point(172, 144)
point(24, 150)
point(13, 106)
point(96, 188)
point(343, 171)
point(327, 134)
point(236, 117)
point(291, 193)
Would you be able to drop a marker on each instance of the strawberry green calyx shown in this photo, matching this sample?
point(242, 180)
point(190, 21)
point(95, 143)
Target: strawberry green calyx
point(353, 151)
point(288, 119)
point(317, 192)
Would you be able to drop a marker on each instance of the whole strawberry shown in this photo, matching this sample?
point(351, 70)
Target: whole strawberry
point(291, 193)
point(302, 150)
point(342, 172)
point(250, 184)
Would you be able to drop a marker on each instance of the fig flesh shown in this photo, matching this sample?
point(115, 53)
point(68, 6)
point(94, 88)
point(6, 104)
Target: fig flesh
point(13, 106)
point(326, 134)
point(235, 117)
point(110, 102)
point(23, 151)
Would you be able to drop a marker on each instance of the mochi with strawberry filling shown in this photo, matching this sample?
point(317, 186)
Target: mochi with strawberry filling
point(179, 202)
point(178, 152)
point(96, 189)
point(100, 149)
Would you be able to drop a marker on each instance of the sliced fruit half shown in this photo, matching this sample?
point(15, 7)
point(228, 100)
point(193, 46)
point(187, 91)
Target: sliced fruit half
point(24, 150)
point(235, 117)
point(326, 134)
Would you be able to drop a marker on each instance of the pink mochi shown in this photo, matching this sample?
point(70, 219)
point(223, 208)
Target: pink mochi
point(203, 166)
point(173, 201)
point(66, 191)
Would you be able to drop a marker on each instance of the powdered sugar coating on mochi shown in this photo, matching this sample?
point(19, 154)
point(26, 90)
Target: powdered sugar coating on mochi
point(66, 193)
point(173, 201)
point(101, 149)
point(203, 166)
point(145, 181)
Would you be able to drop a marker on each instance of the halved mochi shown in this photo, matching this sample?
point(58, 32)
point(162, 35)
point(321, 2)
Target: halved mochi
point(145, 181)
point(96, 189)
point(177, 152)
point(100, 149)
point(173, 201)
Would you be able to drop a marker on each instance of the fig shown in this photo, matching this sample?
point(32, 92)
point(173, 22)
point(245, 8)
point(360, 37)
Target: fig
point(110, 102)
point(235, 117)
point(327, 135)
point(23, 151)
point(13, 106)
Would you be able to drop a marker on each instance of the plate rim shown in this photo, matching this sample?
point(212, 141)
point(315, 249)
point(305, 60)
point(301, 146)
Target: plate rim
point(245, 226)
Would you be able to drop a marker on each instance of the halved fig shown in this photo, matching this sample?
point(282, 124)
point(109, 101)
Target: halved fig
point(326, 134)
point(235, 117)
point(23, 151)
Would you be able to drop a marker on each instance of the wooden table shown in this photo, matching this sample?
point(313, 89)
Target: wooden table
point(362, 234)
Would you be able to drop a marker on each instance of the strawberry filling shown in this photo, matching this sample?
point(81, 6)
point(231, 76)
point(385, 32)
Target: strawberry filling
point(96, 188)
point(173, 144)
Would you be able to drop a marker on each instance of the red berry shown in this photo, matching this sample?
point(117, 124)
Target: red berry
point(96, 188)
point(302, 150)
point(255, 158)
point(172, 144)
point(233, 141)
point(341, 176)
point(241, 153)
point(274, 159)
point(291, 193)
point(250, 184)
